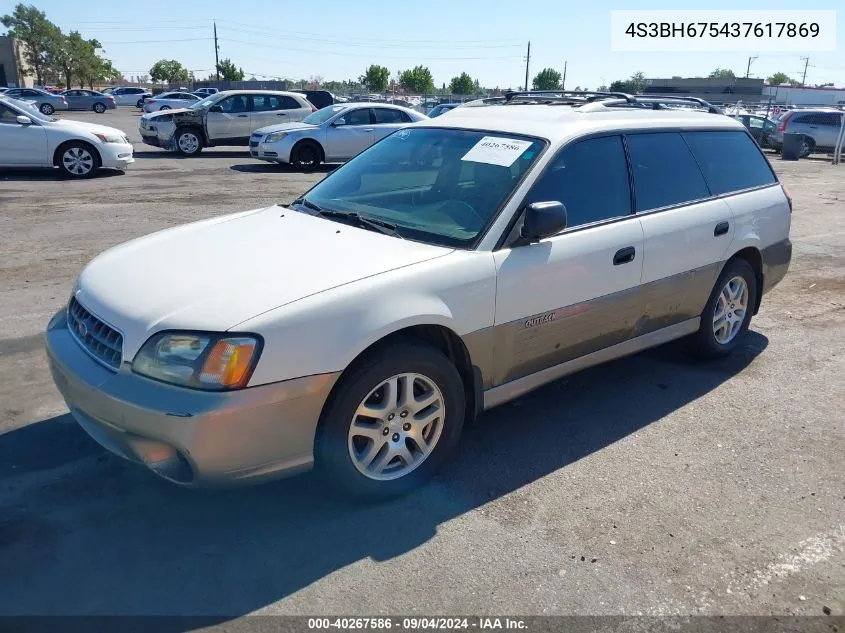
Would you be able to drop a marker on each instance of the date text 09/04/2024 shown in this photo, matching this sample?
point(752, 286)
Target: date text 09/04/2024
point(417, 623)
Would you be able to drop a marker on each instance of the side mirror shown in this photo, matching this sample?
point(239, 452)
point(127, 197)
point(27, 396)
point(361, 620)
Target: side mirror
point(24, 120)
point(216, 108)
point(340, 121)
point(542, 219)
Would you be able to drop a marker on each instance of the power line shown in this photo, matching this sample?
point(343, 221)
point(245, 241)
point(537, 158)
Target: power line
point(367, 55)
point(189, 39)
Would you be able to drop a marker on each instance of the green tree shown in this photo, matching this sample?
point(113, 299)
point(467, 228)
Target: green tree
point(229, 72)
point(635, 84)
point(722, 73)
point(417, 80)
point(375, 78)
point(780, 78)
point(547, 79)
point(31, 26)
point(462, 85)
point(169, 70)
point(76, 58)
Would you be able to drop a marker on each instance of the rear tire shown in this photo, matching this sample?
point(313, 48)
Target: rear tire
point(139, 103)
point(99, 108)
point(727, 315)
point(807, 147)
point(306, 155)
point(188, 142)
point(78, 160)
point(164, 108)
point(47, 109)
point(415, 423)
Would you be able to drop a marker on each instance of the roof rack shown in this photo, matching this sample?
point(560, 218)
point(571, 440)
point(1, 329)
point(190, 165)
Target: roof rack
point(563, 96)
point(657, 100)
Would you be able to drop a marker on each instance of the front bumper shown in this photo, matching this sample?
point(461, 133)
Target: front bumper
point(116, 155)
point(278, 152)
point(193, 438)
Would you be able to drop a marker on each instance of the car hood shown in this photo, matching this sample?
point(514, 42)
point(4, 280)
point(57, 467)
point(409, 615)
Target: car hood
point(284, 127)
point(216, 273)
point(169, 113)
point(84, 126)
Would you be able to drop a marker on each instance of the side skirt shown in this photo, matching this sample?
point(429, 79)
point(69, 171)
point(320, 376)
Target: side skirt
point(515, 388)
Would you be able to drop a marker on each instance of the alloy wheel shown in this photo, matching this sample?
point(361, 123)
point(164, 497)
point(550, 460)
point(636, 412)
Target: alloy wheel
point(396, 426)
point(77, 161)
point(731, 310)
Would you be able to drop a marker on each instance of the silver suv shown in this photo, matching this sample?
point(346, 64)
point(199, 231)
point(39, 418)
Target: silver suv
point(820, 128)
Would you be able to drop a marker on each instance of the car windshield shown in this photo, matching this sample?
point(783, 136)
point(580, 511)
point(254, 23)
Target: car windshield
point(322, 115)
point(436, 185)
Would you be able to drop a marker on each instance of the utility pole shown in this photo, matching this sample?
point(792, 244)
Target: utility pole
point(527, 61)
point(806, 63)
point(563, 83)
point(748, 68)
point(216, 54)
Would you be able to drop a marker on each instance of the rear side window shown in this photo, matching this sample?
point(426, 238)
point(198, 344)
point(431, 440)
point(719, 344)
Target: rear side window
point(665, 173)
point(590, 177)
point(730, 161)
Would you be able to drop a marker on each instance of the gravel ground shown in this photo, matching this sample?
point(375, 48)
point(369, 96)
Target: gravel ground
point(652, 485)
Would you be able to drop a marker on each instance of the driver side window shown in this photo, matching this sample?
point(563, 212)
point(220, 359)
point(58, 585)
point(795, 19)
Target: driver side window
point(7, 115)
point(233, 104)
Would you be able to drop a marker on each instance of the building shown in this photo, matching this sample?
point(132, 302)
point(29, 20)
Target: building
point(716, 89)
point(14, 72)
point(798, 95)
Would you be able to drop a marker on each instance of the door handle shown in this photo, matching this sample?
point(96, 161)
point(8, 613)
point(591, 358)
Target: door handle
point(624, 255)
point(368, 129)
point(282, 114)
point(243, 116)
point(721, 229)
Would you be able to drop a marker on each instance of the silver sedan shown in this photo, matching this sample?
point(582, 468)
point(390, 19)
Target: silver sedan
point(43, 100)
point(331, 135)
point(89, 100)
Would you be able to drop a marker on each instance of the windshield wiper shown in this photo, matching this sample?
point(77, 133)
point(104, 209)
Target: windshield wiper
point(365, 222)
point(362, 221)
point(307, 203)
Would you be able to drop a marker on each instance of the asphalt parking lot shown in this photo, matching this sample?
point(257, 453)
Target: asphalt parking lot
point(653, 485)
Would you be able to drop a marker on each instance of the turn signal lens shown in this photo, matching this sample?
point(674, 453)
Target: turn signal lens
point(228, 363)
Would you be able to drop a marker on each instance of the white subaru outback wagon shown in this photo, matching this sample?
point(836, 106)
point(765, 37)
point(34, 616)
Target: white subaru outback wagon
point(451, 267)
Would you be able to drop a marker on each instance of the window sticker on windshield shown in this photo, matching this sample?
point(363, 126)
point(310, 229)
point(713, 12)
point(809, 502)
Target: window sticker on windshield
point(495, 150)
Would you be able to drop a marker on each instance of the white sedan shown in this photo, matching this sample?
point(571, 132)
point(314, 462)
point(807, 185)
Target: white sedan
point(334, 134)
point(31, 139)
point(169, 101)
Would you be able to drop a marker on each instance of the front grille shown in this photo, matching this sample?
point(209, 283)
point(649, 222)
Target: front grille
point(100, 340)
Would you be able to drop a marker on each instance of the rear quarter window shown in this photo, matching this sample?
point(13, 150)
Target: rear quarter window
point(665, 172)
point(730, 160)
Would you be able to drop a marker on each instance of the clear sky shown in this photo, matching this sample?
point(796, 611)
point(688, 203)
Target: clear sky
point(337, 39)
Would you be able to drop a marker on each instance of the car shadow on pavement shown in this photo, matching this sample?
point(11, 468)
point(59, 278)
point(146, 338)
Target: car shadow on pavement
point(207, 153)
point(23, 174)
point(103, 537)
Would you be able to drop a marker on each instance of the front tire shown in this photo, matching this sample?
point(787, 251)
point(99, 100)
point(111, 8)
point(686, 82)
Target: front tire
point(306, 155)
point(188, 142)
point(391, 422)
point(47, 109)
point(78, 160)
point(727, 315)
point(99, 108)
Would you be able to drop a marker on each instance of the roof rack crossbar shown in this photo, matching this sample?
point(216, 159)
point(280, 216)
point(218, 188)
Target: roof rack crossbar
point(669, 99)
point(567, 95)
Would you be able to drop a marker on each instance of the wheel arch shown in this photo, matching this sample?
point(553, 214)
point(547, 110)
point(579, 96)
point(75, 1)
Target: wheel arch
point(437, 335)
point(308, 141)
point(752, 255)
point(57, 153)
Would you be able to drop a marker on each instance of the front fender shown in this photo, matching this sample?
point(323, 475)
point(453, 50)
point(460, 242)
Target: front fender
point(325, 332)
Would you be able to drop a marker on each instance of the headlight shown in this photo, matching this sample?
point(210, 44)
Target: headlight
point(275, 137)
point(110, 138)
point(214, 362)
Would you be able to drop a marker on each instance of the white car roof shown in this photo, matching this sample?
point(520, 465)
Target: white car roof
point(557, 123)
point(286, 93)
